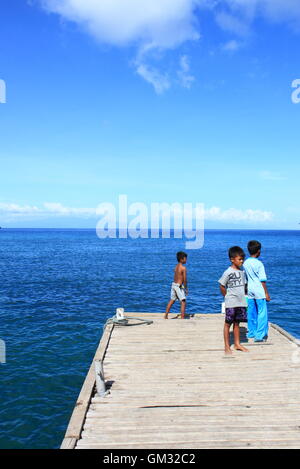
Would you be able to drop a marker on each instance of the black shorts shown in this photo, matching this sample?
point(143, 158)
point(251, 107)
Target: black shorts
point(238, 314)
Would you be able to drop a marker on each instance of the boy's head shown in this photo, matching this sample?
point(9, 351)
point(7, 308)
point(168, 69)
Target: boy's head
point(254, 248)
point(236, 255)
point(181, 257)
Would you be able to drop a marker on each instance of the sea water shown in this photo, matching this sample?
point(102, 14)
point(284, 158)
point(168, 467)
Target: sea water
point(58, 288)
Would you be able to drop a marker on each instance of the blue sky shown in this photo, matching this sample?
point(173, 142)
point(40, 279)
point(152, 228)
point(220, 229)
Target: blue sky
point(182, 101)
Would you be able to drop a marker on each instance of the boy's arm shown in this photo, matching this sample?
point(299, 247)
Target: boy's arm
point(263, 279)
point(246, 284)
point(268, 298)
point(185, 279)
point(222, 282)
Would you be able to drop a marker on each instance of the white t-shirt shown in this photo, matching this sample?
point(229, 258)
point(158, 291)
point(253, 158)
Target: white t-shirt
point(234, 280)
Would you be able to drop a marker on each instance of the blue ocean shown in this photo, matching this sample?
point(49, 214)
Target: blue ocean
point(58, 287)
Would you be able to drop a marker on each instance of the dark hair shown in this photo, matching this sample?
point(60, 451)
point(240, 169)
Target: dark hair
point(181, 255)
point(235, 251)
point(254, 247)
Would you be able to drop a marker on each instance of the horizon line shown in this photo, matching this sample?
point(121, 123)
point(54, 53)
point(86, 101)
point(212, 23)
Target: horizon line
point(149, 229)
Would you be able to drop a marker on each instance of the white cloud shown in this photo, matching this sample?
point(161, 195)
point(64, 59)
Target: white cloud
point(18, 209)
point(163, 23)
point(282, 10)
point(56, 209)
point(47, 210)
point(243, 12)
point(271, 176)
point(59, 209)
point(167, 24)
point(275, 10)
point(152, 75)
point(185, 78)
point(149, 25)
point(233, 24)
point(2, 92)
point(236, 215)
point(232, 46)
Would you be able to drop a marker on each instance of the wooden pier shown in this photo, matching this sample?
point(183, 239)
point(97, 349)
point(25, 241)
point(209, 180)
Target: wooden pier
point(170, 386)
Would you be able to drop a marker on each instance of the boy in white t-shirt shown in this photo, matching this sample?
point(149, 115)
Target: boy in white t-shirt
point(258, 294)
point(233, 288)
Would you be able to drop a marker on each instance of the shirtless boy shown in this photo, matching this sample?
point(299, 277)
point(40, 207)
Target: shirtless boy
point(179, 286)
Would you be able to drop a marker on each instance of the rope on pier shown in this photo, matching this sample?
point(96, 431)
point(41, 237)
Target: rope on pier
point(119, 320)
point(125, 322)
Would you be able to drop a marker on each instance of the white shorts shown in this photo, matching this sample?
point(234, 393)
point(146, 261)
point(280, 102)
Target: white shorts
point(177, 292)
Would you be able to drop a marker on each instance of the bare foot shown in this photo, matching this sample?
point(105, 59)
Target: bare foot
point(166, 316)
point(241, 348)
point(228, 351)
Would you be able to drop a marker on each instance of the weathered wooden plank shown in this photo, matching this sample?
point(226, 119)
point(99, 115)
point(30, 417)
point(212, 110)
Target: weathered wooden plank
point(77, 419)
point(230, 418)
point(177, 444)
point(250, 431)
point(68, 443)
point(156, 436)
point(171, 378)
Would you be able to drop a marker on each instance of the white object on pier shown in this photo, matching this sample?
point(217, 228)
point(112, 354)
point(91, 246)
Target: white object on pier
point(120, 313)
point(100, 382)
